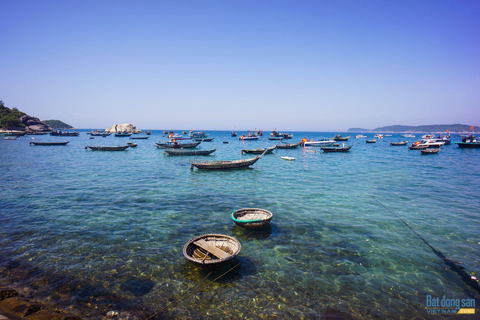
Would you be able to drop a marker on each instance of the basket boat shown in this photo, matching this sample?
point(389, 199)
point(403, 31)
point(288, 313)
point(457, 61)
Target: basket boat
point(252, 218)
point(212, 250)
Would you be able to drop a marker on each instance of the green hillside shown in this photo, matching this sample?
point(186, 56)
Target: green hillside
point(10, 118)
point(57, 124)
point(424, 128)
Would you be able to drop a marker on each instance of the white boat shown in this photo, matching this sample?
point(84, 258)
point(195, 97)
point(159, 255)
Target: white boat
point(408, 135)
point(426, 143)
point(318, 143)
point(288, 158)
point(358, 136)
point(378, 136)
point(428, 136)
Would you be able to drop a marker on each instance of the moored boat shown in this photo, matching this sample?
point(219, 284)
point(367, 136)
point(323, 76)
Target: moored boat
point(275, 135)
point(107, 148)
point(139, 138)
point(64, 133)
point(259, 151)
point(175, 144)
point(318, 143)
point(424, 144)
point(429, 151)
point(470, 142)
point(340, 138)
point(371, 141)
point(336, 149)
point(181, 152)
point(203, 139)
point(399, 143)
point(122, 134)
point(252, 218)
point(288, 145)
point(226, 164)
point(212, 250)
point(288, 158)
point(49, 143)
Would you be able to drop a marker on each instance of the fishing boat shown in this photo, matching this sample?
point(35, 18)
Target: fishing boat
point(198, 135)
point(429, 151)
point(132, 145)
point(469, 142)
point(378, 136)
point(14, 133)
point(340, 138)
point(252, 218)
point(288, 158)
point(226, 164)
point(212, 250)
point(233, 134)
point(428, 136)
point(288, 145)
point(107, 148)
point(64, 133)
point(122, 134)
point(49, 143)
point(336, 149)
point(399, 143)
point(318, 143)
point(139, 138)
point(176, 145)
point(203, 139)
point(259, 151)
point(371, 141)
point(181, 152)
point(250, 136)
point(408, 135)
point(275, 135)
point(359, 136)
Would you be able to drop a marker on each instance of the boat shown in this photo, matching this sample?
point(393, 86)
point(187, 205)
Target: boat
point(275, 135)
point(288, 158)
point(340, 138)
point(174, 135)
point(123, 134)
point(399, 143)
point(175, 144)
point(14, 133)
point(198, 135)
point(10, 138)
point(148, 133)
point(36, 133)
point(212, 250)
point(336, 149)
point(259, 151)
point(443, 138)
point(250, 136)
point(233, 134)
point(64, 133)
point(371, 141)
point(252, 218)
point(132, 145)
point(139, 138)
point(318, 143)
point(469, 142)
point(226, 164)
point(378, 136)
point(359, 136)
point(49, 143)
point(429, 151)
point(288, 145)
point(424, 144)
point(181, 152)
point(408, 135)
point(428, 136)
point(107, 148)
point(203, 139)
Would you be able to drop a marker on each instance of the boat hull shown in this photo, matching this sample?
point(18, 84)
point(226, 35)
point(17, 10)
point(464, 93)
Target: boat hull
point(173, 152)
point(46, 143)
point(469, 145)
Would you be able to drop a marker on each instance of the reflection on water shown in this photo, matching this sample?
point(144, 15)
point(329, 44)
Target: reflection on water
point(94, 232)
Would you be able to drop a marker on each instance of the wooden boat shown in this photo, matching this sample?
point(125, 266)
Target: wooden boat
point(336, 149)
point(219, 165)
point(138, 138)
point(340, 138)
point(469, 145)
point(288, 158)
point(122, 134)
point(132, 145)
point(233, 134)
point(181, 152)
point(176, 145)
point(429, 151)
point(107, 148)
point(259, 151)
point(371, 141)
point(49, 143)
point(288, 145)
point(400, 143)
point(203, 139)
point(64, 133)
point(212, 250)
point(252, 218)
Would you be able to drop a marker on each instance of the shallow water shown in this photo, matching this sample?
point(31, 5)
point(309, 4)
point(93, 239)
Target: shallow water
point(99, 231)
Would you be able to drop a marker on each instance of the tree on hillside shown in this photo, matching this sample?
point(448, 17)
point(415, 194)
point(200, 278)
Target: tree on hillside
point(10, 118)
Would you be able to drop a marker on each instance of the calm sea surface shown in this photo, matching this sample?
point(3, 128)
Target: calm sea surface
point(97, 231)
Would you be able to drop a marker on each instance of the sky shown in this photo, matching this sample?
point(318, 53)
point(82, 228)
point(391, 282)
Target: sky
point(242, 65)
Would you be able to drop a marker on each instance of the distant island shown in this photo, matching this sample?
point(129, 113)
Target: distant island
point(57, 124)
point(424, 128)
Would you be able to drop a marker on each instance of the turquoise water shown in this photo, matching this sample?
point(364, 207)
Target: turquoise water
point(98, 231)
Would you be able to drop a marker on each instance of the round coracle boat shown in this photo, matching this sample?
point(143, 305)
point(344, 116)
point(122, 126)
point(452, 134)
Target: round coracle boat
point(252, 218)
point(212, 250)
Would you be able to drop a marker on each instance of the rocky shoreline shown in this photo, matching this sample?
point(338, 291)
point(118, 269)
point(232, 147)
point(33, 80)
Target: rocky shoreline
point(15, 307)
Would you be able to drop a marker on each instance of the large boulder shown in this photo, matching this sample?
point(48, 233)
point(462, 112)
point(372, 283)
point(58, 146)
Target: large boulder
point(34, 124)
point(126, 127)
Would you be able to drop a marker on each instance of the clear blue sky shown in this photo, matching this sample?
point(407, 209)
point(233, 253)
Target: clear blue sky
point(291, 65)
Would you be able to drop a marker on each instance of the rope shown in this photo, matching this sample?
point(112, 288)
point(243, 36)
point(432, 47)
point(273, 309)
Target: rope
point(244, 221)
point(453, 265)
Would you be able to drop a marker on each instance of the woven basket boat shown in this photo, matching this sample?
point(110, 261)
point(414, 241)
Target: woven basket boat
point(252, 218)
point(212, 250)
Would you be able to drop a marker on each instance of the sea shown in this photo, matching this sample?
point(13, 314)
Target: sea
point(355, 235)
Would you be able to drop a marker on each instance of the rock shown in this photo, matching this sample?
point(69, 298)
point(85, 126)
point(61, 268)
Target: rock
point(126, 127)
point(7, 293)
point(34, 124)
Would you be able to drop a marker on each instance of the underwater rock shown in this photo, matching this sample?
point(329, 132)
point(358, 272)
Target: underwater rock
point(7, 293)
point(333, 314)
point(137, 286)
